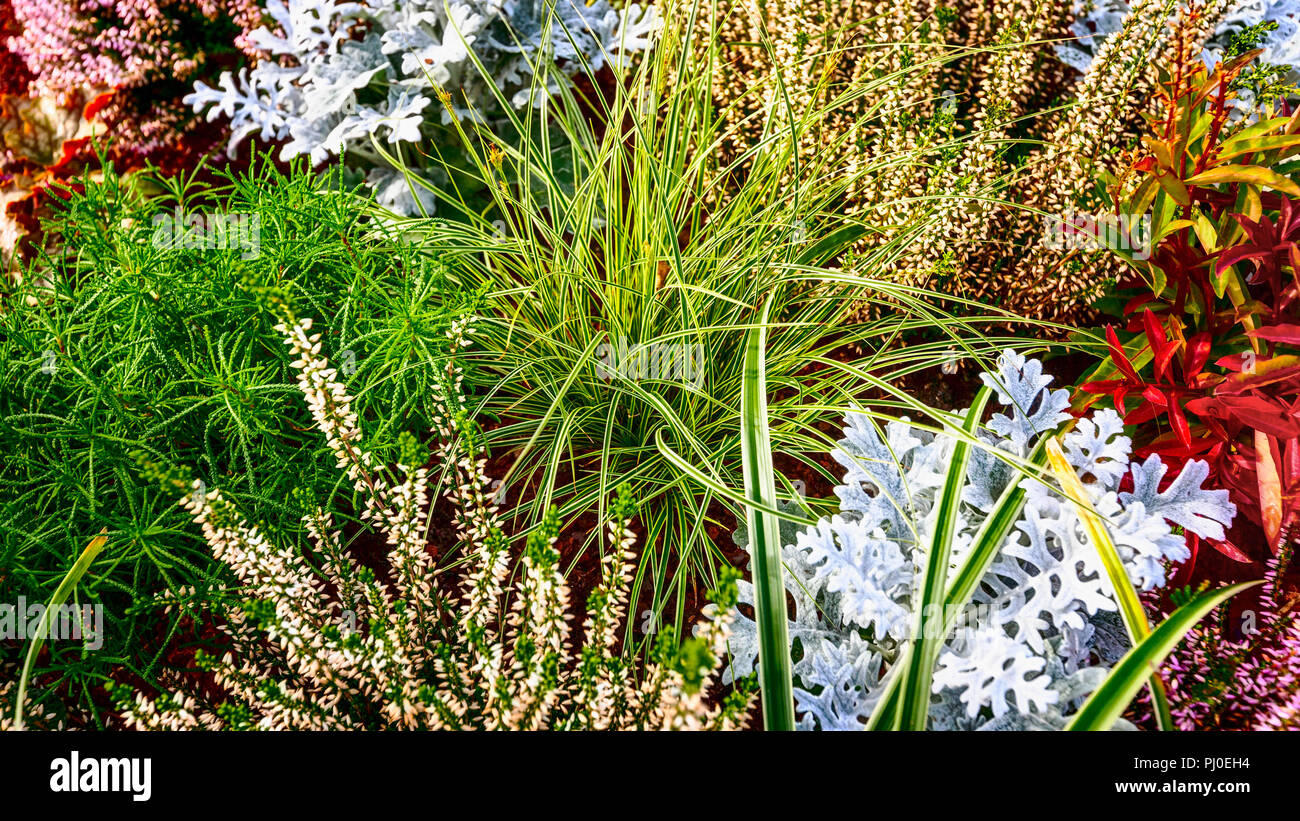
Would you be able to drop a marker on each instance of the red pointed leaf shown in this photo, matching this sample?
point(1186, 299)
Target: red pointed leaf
point(1179, 422)
point(1252, 411)
point(1286, 334)
point(1198, 351)
point(1118, 356)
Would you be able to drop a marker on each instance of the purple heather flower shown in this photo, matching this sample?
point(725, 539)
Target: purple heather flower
point(1220, 683)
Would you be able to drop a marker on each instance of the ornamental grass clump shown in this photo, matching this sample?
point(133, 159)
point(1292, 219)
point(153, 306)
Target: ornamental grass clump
point(591, 290)
point(343, 648)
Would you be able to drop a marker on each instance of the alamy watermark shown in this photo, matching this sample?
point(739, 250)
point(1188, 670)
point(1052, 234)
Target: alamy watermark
point(666, 361)
point(1074, 231)
point(65, 622)
point(72, 773)
point(207, 231)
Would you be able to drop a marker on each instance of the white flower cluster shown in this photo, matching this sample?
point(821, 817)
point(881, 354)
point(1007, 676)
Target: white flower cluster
point(341, 648)
point(339, 74)
point(1041, 627)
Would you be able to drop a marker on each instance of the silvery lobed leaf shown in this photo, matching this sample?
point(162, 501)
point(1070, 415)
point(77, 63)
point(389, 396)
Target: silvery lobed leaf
point(1021, 385)
point(1185, 503)
point(331, 83)
point(1098, 450)
point(997, 671)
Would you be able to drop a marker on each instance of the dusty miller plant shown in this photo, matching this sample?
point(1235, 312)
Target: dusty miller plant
point(363, 77)
point(1043, 627)
point(340, 648)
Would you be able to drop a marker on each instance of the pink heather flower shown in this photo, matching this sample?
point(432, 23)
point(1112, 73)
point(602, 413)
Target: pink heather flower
point(1285, 716)
point(1219, 683)
point(137, 48)
point(116, 44)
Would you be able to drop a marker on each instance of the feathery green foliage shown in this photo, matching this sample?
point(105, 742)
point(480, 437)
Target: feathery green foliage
point(120, 344)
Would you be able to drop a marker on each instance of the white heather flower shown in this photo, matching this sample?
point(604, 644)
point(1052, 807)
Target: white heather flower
point(403, 665)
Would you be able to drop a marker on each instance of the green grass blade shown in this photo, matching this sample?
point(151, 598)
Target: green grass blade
point(990, 537)
point(1130, 609)
point(1108, 702)
point(984, 549)
point(930, 622)
point(70, 581)
point(775, 681)
point(713, 485)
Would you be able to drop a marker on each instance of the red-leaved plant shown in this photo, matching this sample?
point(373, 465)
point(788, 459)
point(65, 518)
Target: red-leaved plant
point(1209, 369)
